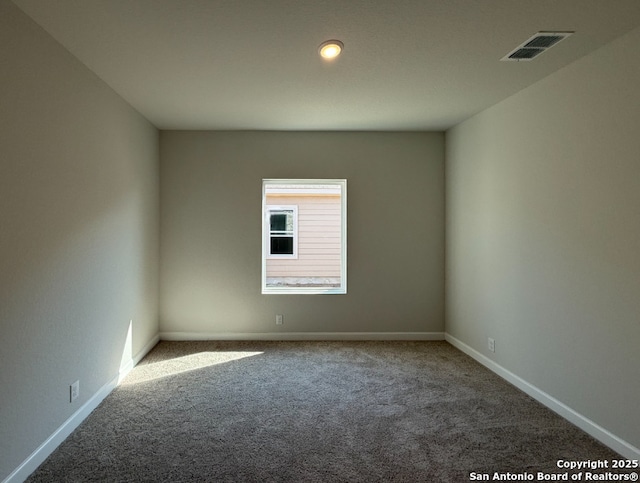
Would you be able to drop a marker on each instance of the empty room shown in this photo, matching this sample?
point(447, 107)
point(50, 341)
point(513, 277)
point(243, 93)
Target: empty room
point(319, 240)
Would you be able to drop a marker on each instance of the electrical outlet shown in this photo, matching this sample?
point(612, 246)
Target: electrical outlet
point(279, 319)
point(74, 391)
point(492, 344)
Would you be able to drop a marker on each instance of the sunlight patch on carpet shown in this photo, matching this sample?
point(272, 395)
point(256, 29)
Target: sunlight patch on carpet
point(179, 365)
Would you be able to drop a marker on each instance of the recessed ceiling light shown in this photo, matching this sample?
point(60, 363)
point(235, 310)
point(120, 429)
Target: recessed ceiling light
point(330, 49)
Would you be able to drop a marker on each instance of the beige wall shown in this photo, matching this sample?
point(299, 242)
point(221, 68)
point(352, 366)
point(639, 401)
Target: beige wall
point(78, 234)
point(543, 232)
point(319, 235)
point(211, 231)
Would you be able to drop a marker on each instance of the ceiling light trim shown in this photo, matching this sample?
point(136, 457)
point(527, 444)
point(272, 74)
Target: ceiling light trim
point(330, 49)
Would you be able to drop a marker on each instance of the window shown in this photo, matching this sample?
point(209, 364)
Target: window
point(283, 231)
point(304, 236)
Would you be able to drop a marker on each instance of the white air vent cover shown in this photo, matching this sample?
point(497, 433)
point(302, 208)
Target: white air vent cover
point(535, 45)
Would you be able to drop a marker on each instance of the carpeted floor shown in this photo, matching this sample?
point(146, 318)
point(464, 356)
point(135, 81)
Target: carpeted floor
point(314, 412)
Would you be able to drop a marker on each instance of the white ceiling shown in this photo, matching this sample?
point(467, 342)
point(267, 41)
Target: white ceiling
point(253, 64)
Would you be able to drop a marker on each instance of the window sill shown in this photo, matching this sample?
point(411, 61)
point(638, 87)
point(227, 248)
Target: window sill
point(304, 290)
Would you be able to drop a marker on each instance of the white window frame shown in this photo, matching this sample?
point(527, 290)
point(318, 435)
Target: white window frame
point(267, 213)
point(342, 289)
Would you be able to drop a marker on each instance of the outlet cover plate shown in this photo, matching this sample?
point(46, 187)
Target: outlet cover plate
point(74, 391)
point(492, 344)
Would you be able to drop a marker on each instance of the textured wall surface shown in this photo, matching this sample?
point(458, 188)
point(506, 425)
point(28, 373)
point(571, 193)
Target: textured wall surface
point(543, 230)
point(78, 236)
point(211, 186)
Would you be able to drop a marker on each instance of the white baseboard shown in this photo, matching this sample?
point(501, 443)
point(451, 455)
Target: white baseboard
point(607, 438)
point(184, 336)
point(43, 451)
point(29, 465)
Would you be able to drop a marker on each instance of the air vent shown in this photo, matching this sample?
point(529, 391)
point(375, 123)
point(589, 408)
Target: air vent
point(535, 45)
point(525, 53)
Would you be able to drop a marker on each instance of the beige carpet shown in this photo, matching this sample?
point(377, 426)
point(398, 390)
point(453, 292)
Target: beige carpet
point(317, 412)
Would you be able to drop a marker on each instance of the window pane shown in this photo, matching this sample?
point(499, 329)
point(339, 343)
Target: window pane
point(281, 245)
point(278, 222)
point(304, 236)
